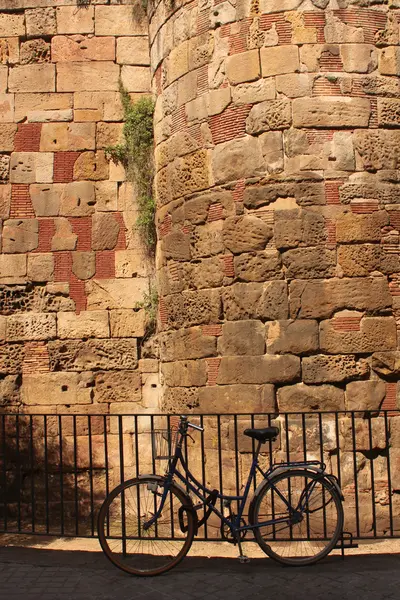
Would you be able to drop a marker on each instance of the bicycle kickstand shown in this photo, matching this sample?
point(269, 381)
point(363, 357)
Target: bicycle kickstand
point(243, 559)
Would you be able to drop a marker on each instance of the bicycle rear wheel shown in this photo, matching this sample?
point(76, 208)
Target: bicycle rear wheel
point(139, 550)
point(312, 531)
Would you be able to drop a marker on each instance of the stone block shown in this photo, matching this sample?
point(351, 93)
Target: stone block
point(259, 266)
point(26, 104)
point(40, 267)
point(105, 231)
point(218, 100)
point(55, 388)
point(32, 78)
point(249, 93)
point(7, 133)
point(309, 398)
point(133, 51)
point(77, 199)
point(31, 167)
point(268, 301)
point(389, 61)
point(127, 323)
point(109, 134)
point(237, 399)
point(333, 369)
point(67, 136)
point(136, 79)
point(207, 273)
point(178, 62)
point(243, 67)
point(294, 85)
point(84, 264)
point(7, 108)
point(377, 149)
point(82, 48)
point(269, 115)
point(300, 336)
point(12, 266)
point(5, 201)
point(331, 112)
point(115, 293)
point(50, 116)
point(106, 195)
point(388, 112)
point(31, 326)
point(46, 198)
point(294, 228)
point(237, 159)
point(64, 238)
point(84, 325)
point(310, 263)
point(242, 338)
point(185, 344)
point(386, 363)
point(364, 294)
point(93, 355)
point(272, 149)
point(359, 260)
point(190, 174)
point(376, 334)
point(9, 50)
point(40, 21)
point(192, 308)
point(119, 20)
point(4, 167)
point(131, 263)
point(20, 235)
point(86, 77)
point(72, 19)
point(365, 395)
point(186, 373)
point(258, 369)
point(148, 365)
point(3, 79)
point(245, 234)
point(12, 24)
point(120, 386)
point(361, 228)
point(91, 165)
point(278, 60)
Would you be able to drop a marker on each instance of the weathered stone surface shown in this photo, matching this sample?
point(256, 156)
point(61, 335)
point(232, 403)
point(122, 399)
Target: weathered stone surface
point(12, 24)
point(73, 20)
point(207, 273)
point(46, 198)
point(305, 398)
point(91, 165)
point(258, 369)
point(256, 301)
point(77, 199)
point(127, 323)
point(366, 294)
point(192, 308)
point(184, 344)
point(7, 108)
point(309, 263)
point(122, 386)
point(67, 136)
point(86, 77)
point(120, 20)
point(31, 167)
point(11, 356)
point(295, 228)
point(82, 48)
point(378, 149)
point(272, 149)
point(105, 231)
point(359, 260)
point(4, 167)
point(386, 364)
point(361, 228)
point(243, 338)
point(237, 398)
point(55, 388)
point(133, 51)
point(20, 235)
point(207, 240)
point(32, 78)
point(176, 245)
point(178, 61)
point(389, 61)
point(331, 112)
point(115, 293)
point(365, 395)
point(26, 104)
point(136, 79)
point(388, 112)
point(294, 85)
point(243, 67)
point(93, 355)
point(237, 159)
point(258, 266)
point(185, 373)
point(269, 115)
point(41, 21)
point(34, 51)
point(64, 238)
point(292, 337)
point(333, 369)
point(369, 435)
point(279, 60)
point(358, 58)
point(12, 265)
point(10, 390)
point(376, 334)
point(31, 326)
point(106, 195)
point(180, 400)
point(5, 201)
point(84, 264)
point(40, 267)
point(131, 263)
point(86, 324)
point(246, 233)
point(246, 93)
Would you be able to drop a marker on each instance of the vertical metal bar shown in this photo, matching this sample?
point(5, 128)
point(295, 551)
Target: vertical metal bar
point(106, 466)
point(303, 424)
point(339, 476)
point(153, 461)
point(17, 442)
point(46, 474)
point(91, 473)
point(76, 477)
point(4, 447)
point(171, 448)
point(236, 461)
point(60, 440)
point(321, 455)
point(122, 477)
point(32, 472)
point(353, 429)
point(253, 449)
point(221, 484)
point(387, 446)
point(371, 462)
point(288, 460)
point(203, 470)
point(137, 473)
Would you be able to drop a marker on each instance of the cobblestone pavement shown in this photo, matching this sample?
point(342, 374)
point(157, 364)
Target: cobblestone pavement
point(38, 574)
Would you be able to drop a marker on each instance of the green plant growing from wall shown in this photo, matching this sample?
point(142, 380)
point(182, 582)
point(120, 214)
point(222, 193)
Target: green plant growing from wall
point(136, 155)
point(150, 306)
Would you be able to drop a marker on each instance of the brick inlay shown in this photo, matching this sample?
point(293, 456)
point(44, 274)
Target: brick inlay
point(390, 400)
point(332, 191)
point(21, 203)
point(330, 62)
point(228, 268)
point(238, 192)
point(283, 27)
point(82, 227)
point(27, 138)
point(202, 80)
point(47, 230)
point(325, 87)
point(238, 40)
point(215, 330)
point(165, 227)
point(179, 122)
point(105, 264)
point(346, 323)
point(174, 271)
point(162, 309)
point(369, 20)
point(121, 241)
point(215, 212)
point(316, 20)
point(364, 207)
point(64, 166)
point(36, 359)
point(77, 293)
point(203, 22)
point(62, 266)
point(229, 124)
point(212, 370)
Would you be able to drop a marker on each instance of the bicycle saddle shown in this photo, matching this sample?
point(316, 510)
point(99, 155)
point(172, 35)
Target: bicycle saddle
point(262, 435)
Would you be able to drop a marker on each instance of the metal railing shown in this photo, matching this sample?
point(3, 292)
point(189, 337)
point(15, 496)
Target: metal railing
point(56, 470)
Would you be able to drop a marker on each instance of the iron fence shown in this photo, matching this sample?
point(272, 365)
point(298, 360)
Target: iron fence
point(55, 470)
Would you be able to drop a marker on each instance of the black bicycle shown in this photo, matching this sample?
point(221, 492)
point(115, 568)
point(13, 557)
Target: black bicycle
point(146, 525)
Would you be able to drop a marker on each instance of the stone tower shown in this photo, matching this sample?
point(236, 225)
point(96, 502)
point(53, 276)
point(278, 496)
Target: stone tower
point(277, 151)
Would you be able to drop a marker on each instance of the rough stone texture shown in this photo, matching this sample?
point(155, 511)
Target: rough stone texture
point(258, 369)
point(292, 337)
point(269, 115)
point(331, 112)
point(305, 398)
point(244, 234)
point(185, 373)
point(122, 386)
point(365, 395)
point(105, 230)
point(237, 159)
point(386, 363)
point(87, 324)
point(55, 388)
point(376, 333)
point(243, 338)
point(20, 235)
point(256, 301)
point(189, 343)
point(93, 355)
point(30, 326)
point(333, 369)
point(237, 399)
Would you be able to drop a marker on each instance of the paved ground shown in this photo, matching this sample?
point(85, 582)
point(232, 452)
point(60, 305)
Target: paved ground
point(42, 574)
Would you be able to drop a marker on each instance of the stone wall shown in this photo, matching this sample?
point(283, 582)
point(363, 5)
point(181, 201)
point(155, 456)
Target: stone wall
point(277, 187)
point(72, 267)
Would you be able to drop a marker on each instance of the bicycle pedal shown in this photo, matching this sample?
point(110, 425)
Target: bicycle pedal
point(243, 559)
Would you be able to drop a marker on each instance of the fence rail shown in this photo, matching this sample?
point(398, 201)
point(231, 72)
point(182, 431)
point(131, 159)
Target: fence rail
point(55, 470)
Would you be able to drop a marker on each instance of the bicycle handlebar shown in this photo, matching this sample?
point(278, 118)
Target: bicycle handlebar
point(195, 426)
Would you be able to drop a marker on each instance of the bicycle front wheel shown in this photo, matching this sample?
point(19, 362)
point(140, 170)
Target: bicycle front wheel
point(307, 533)
point(124, 534)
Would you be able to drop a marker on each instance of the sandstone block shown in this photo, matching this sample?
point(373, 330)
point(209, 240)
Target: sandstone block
point(31, 167)
point(237, 399)
point(127, 323)
point(190, 174)
point(77, 199)
point(249, 93)
point(3, 78)
point(12, 24)
point(242, 338)
point(269, 115)
point(67, 136)
point(176, 246)
point(207, 273)
point(309, 263)
point(40, 267)
point(122, 386)
point(7, 108)
point(377, 149)
point(364, 294)
point(82, 48)
point(93, 355)
point(185, 373)
point(85, 325)
point(358, 58)
point(329, 369)
point(360, 228)
point(32, 78)
point(106, 195)
point(246, 233)
point(20, 235)
point(272, 149)
point(294, 228)
point(12, 265)
point(376, 334)
point(256, 301)
point(119, 20)
point(31, 326)
point(258, 369)
point(359, 260)
point(309, 398)
point(5, 201)
point(131, 263)
point(40, 21)
point(4, 167)
point(47, 116)
point(178, 62)
point(64, 238)
point(55, 388)
point(84, 264)
point(133, 51)
point(185, 344)
point(105, 231)
point(26, 104)
point(294, 85)
point(243, 67)
point(389, 112)
point(34, 51)
point(46, 198)
point(292, 336)
point(108, 134)
point(136, 79)
point(389, 61)
point(71, 19)
point(192, 308)
point(218, 100)
point(386, 363)
point(278, 60)
point(86, 77)
point(258, 266)
point(237, 159)
point(10, 391)
point(365, 395)
point(9, 50)
point(7, 133)
point(91, 165)
point(331, 112)
point(208, 240)
point(115, 293)
point(148, 365)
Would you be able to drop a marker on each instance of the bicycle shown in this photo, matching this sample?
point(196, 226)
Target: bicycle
point(146, 525)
